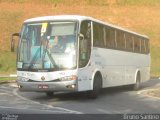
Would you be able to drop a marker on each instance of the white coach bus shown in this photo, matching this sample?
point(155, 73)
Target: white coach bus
point(79, 53)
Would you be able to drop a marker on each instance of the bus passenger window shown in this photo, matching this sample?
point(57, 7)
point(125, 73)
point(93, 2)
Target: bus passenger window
point(98, 35)
point(110, 37)
point(120, 40)
point(129, 42)
point(143, 47)
point(147, 45)
point(136, 44)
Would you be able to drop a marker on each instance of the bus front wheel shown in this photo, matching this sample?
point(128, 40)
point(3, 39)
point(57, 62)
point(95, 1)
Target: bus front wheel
point(97, 86)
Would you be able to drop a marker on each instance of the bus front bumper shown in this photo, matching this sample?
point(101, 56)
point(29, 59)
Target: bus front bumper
point(47, 86)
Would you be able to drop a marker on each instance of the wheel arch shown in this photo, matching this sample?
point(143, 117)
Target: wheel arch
point(95, 73)
point(138, 73)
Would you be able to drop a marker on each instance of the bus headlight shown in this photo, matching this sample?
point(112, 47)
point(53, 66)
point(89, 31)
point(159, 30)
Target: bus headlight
point(72, 77)
point(23, 79)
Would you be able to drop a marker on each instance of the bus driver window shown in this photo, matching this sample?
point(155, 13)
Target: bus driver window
point(85, 43)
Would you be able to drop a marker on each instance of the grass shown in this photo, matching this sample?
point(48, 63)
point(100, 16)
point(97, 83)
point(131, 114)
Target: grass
point(91, 2)
point(7, 62)
point(139, 2)
point(142, 16)
point(155, 66)
point(6, 79)
point(13, 1)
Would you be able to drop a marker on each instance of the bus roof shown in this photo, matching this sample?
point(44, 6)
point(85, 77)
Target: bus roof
point(58, 17)
point(79, 18)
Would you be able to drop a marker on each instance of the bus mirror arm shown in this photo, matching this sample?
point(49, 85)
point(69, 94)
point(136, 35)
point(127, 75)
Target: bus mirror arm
point(13, 40)
point(81, 36)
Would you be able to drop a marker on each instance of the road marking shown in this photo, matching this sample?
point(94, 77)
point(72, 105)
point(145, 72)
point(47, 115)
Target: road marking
point(42, 110)
point(113, 111)
point(6, 92)
point(3, 87)
point(3, 93)
point(59, 108)
point(15, 92)
point(71, 111)
point(23, 98)
point(14, 85)
point(104, 111)
point(143, 91)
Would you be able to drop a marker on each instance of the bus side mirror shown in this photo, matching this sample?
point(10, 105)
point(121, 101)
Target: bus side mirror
point(81, 36)
point(13, 41)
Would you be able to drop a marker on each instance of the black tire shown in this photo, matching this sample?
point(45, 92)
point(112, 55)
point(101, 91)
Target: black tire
point(50, 94)
point(136, 86)
point(97, 86)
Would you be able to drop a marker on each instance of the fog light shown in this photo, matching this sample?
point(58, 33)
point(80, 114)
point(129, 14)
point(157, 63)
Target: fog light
point(71, 86)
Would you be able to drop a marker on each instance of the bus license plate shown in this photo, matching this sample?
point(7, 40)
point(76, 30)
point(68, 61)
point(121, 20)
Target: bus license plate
point(43, 86)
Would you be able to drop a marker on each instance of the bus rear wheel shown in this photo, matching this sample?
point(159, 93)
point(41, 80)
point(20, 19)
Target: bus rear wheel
point(136, 86)
point(50, 94)
point(97, 86)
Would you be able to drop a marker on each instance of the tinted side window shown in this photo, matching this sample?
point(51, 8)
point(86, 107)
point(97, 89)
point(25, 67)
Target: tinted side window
point(136, 44)
point(98, 35)
point(143, 46)
point(110, 37)
point(147, 45)
point(120, 39)
point(129, 42)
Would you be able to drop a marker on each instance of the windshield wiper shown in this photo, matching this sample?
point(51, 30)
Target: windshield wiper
point(33, 59)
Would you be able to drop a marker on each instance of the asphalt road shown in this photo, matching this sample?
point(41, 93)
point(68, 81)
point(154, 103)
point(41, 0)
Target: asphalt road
point(119, 100)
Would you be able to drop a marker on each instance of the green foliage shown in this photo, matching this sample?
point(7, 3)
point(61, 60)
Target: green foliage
point(97, 2)
point(155, 66)
point(7, 62)
point(50, 1)
point(139, 2)
point(13, 1)
point(6, 79)
point(10, 24)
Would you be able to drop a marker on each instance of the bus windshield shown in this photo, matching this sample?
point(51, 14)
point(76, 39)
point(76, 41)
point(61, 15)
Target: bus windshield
point(48, 46)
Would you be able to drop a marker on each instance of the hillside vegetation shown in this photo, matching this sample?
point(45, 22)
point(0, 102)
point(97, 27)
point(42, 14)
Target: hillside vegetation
point(142, 16)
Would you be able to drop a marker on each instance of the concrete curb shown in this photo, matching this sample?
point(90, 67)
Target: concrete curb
point(155, 77)
point(145, 93)
point(7, 81)
point(8, 76)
